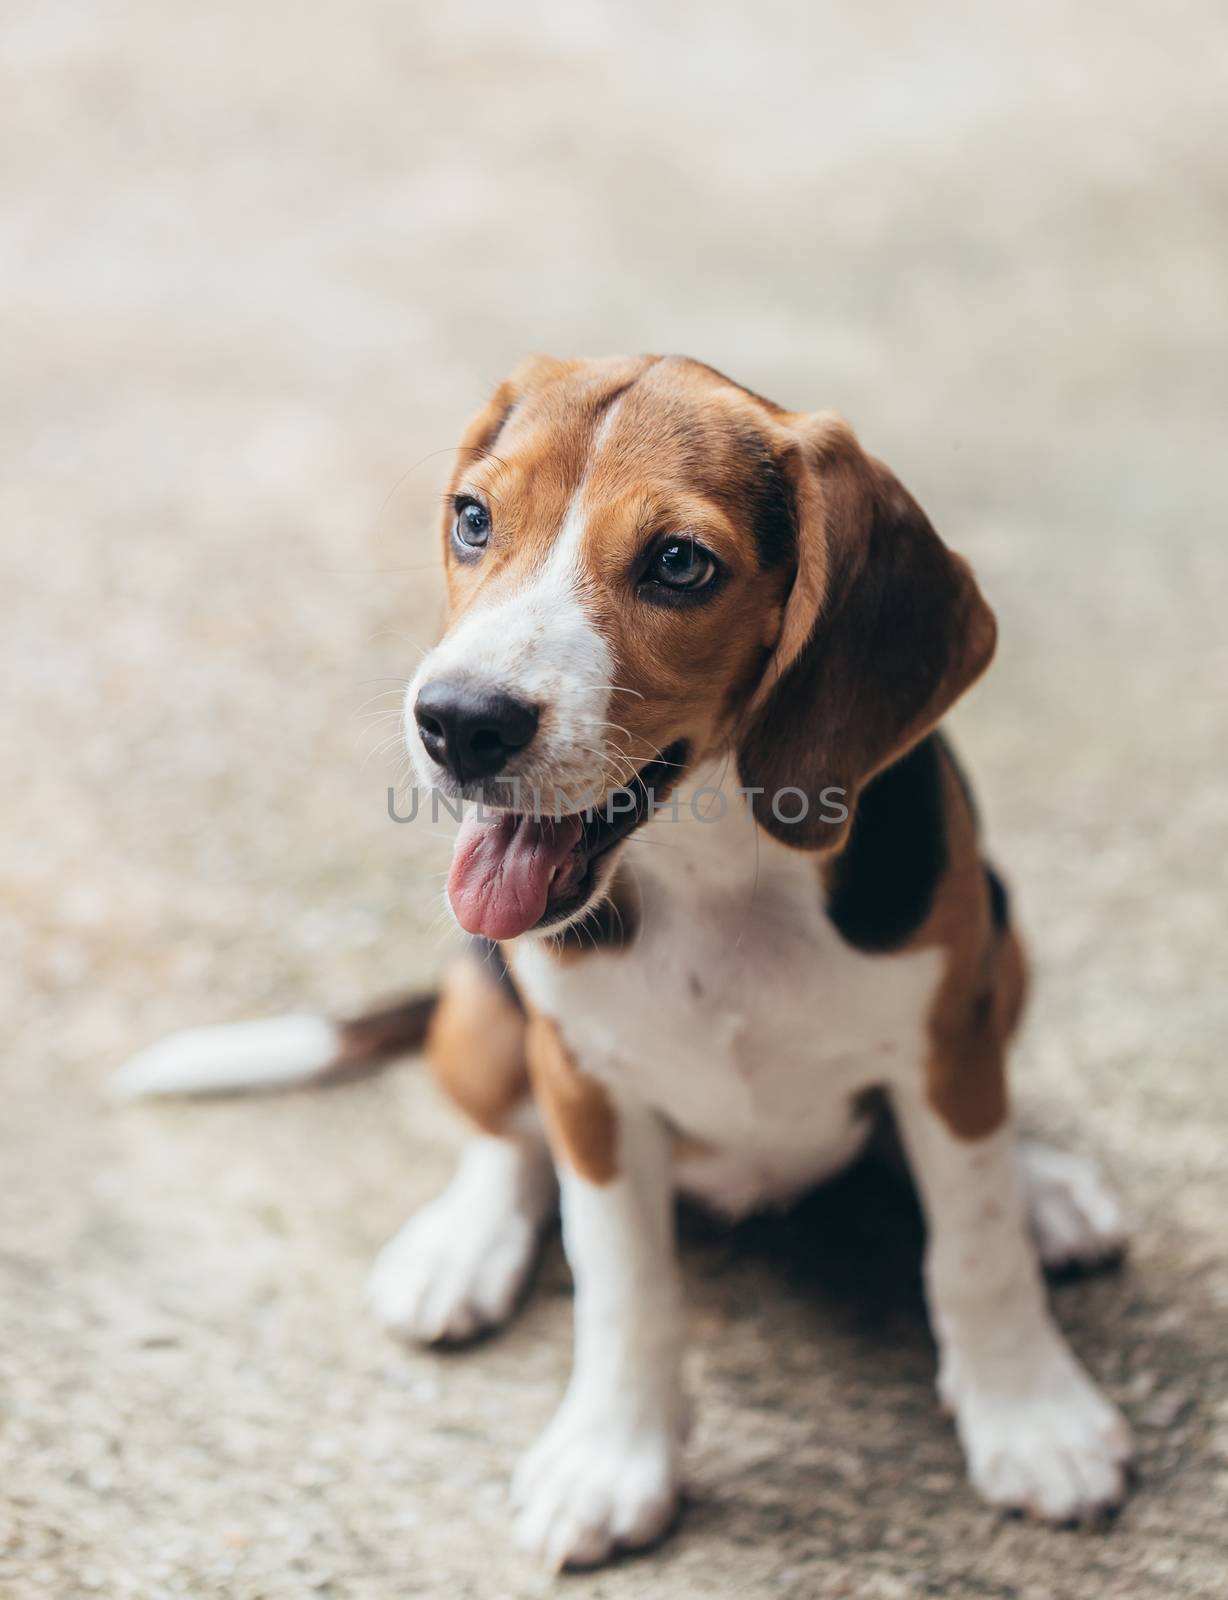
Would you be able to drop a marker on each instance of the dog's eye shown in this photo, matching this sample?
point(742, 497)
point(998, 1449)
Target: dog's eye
point(682, 565)
point(472, 526)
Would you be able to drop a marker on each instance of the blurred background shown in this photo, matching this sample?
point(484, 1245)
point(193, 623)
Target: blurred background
point(257, 265)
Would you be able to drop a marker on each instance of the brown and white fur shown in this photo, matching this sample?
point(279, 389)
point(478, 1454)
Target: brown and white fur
point(709, 1018)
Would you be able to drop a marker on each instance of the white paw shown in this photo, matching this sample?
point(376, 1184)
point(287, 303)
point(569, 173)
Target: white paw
point(1039, 1436)
point(1074, 1219)
point(449, 1276)
point(603, 1477)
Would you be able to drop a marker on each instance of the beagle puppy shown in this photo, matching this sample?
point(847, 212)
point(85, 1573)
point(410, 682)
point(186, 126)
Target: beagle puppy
point(725, 894)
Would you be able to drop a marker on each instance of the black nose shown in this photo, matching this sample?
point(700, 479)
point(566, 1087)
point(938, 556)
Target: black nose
point(471, 731)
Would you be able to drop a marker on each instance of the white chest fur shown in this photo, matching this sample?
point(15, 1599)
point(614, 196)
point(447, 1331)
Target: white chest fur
point(737, 1011)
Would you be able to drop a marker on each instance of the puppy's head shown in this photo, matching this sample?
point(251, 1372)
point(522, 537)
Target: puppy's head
point(646, 566)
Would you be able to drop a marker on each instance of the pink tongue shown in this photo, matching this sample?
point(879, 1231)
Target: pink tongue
point(502, 866)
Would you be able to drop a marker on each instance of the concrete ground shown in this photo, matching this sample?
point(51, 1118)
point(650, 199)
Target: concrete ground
point(258, 263)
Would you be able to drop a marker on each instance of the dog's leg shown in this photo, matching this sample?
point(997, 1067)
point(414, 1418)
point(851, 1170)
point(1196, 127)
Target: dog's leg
point(1037, 1433)
point(457, 1267)
point(605, 1473)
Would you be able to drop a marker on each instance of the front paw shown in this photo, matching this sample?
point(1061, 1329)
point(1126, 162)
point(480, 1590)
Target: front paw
point(448, 1277)
point(603, 1477)
point(1038, 1435)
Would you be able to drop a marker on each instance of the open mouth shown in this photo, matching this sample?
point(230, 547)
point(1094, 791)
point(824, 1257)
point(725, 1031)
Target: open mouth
point(514, 871)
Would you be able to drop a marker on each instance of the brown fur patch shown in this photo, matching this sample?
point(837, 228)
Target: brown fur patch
point(580, 1117)
point(1010, 981)
point(379, 1036)
point(476, 1045)
point(978, 1001)
point(687, 454)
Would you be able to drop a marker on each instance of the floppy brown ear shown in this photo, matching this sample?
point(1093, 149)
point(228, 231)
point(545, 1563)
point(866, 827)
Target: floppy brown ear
point(883, 630)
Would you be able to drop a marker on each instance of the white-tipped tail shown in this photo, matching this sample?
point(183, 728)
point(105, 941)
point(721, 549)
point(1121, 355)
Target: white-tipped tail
point(241, 1055)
